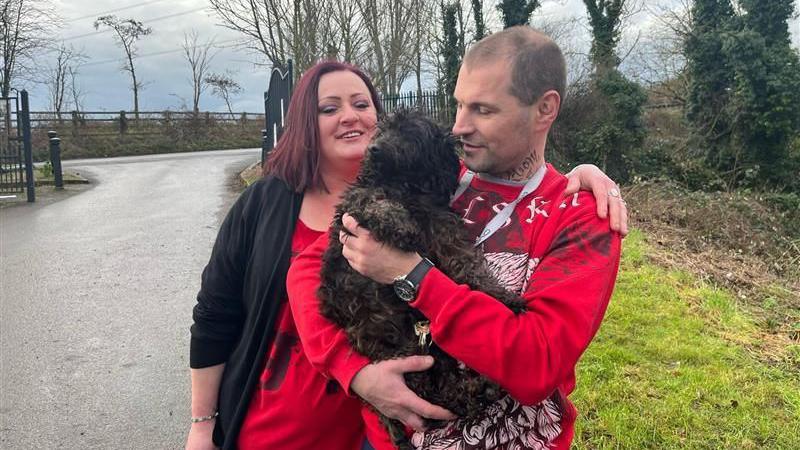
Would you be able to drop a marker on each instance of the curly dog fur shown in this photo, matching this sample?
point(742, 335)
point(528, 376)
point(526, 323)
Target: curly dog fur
point(402, 196)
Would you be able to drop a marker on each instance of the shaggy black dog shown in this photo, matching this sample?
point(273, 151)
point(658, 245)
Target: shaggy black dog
point(402, 196)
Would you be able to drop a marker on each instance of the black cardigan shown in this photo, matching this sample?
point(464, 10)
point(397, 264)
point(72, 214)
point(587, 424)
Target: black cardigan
point(242, 287)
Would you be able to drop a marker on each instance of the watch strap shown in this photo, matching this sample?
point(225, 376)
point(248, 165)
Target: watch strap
point(419, 271)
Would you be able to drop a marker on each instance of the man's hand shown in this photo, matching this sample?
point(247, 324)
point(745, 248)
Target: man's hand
point(588, 177)
point(382, 385)
point(371, 258)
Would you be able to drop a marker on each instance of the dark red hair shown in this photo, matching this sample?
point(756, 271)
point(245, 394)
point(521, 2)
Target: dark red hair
point(295, 158)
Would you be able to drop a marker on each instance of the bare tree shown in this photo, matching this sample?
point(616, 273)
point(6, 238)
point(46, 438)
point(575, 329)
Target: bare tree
point(391, 31)
point(76, 92)
point(390, 39)
point(59, 76)
point(309, 29)
point(263, 24)
point(25, 30)
point(128, 32)
point(198, 56)
point(564, 31)
point(421, 38)
point(223, 86)
point(57, 80)
point(660, 62)
point(347, 32)
point(278, 30)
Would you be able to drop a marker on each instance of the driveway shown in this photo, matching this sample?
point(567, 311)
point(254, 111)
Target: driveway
point(96, 292)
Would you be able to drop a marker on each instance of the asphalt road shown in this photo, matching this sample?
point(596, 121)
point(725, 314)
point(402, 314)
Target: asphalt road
point(96, 292)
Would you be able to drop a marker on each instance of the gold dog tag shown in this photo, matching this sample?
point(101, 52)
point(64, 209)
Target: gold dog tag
point(422, 329)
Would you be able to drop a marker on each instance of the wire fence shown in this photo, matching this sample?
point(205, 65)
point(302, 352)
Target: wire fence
point(433, 103)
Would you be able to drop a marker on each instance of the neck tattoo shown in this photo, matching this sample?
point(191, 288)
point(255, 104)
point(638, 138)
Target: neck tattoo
point(525, 169)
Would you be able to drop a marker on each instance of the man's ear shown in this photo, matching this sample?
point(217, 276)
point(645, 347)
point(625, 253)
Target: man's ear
point(547, 108)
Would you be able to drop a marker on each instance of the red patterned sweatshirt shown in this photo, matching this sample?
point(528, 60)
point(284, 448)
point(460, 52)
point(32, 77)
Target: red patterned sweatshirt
point(555, 252)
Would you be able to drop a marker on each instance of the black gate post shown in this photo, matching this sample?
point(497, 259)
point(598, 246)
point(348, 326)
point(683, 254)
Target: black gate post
point(25, 121)
point(276, 105)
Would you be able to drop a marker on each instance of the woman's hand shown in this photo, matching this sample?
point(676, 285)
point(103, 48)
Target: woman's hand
point(200, 436)
point(588, 177)
point(205, 389)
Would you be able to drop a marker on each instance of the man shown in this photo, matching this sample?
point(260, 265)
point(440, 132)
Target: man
point(555, 252)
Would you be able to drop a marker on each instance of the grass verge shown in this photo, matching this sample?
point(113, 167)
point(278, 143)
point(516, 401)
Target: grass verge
point(671, 368)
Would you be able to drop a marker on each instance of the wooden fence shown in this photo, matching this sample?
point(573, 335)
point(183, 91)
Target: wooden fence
point(122, 122)
point(433, 103)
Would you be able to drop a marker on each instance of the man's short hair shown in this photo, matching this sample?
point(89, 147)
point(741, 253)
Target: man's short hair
point(537, 64)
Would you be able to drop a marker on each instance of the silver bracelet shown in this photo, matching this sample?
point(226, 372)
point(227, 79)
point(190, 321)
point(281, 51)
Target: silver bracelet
point(205, 418)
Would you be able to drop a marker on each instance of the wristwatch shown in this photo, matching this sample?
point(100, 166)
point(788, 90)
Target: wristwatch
point(406, 286)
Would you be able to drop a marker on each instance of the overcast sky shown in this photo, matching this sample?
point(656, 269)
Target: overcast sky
point(165, 73)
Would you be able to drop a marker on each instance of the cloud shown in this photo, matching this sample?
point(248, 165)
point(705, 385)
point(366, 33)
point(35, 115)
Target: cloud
point(160, 65)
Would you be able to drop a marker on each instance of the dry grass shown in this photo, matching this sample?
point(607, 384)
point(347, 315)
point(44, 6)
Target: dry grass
point(747, 243)
point(251, 174)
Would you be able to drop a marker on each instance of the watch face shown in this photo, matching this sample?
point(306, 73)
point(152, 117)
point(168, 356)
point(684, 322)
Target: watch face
point(405, 290)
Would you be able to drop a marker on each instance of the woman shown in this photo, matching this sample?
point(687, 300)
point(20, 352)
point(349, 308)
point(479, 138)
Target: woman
point(252, 386)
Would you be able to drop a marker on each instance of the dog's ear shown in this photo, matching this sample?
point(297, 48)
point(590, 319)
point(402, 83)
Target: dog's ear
point(444, 156)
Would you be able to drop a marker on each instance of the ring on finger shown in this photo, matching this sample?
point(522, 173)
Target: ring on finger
point(613, 192)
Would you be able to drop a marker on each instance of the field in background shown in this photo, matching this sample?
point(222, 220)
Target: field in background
point(97, 135)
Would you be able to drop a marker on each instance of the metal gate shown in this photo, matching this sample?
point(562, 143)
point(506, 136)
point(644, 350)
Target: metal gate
point(276, 104)
point(16, 159)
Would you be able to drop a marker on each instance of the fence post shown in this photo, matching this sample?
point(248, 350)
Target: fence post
point(123, 123)
point(55, 158)
point(75, 123)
